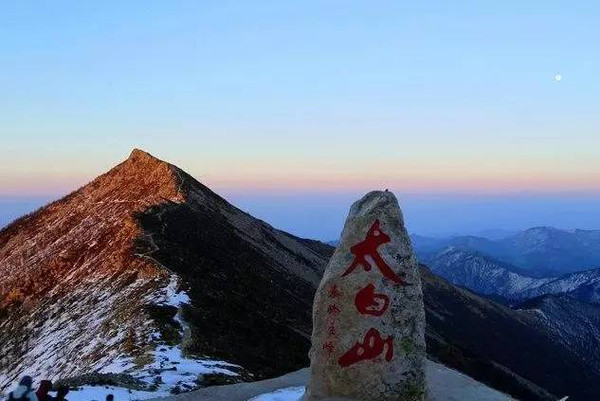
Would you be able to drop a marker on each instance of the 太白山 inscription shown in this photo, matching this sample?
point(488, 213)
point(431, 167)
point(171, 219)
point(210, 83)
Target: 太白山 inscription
point(368, 338)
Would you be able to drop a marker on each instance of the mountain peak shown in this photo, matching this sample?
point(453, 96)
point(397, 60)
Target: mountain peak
point(141, 156)
point(141, 159)
point(542, 229)
point(140, 178)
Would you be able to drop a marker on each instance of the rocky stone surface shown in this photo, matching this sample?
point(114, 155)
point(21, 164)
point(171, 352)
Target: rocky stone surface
point(368, 339)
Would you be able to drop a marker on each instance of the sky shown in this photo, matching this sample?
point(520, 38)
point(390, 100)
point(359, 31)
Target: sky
point(478, 115)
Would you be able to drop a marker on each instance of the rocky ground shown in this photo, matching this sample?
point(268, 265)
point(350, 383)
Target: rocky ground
point(443, 384)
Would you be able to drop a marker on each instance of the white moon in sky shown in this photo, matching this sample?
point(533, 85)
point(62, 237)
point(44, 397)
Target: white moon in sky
point(558, 77)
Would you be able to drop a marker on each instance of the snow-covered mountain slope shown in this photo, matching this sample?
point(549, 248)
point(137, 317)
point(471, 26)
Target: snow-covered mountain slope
point(554, 250)
point(482, 274)
point(540, 251)
point(72, 290)
point(507, 349)
point(166, 370)
point(145, 263)
point(584, 286)
point(488, 276)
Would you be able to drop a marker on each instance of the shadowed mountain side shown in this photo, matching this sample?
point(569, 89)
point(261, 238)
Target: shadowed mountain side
point(251, 286)
point(245, 306)
point(573, 323)
point(501, 347)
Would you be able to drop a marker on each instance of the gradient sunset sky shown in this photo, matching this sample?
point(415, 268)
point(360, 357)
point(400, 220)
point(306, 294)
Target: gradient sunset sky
point(478, 115)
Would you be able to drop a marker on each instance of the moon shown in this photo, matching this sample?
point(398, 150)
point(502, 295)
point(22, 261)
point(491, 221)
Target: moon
point(558, 77)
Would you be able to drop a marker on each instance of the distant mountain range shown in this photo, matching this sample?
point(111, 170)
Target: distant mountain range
point(482, 273)
point(584, 286)
point(148, 274)
point(521, 352)
point(541, 251)
point(502, 281)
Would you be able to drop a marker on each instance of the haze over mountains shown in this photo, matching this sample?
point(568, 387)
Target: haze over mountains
point(540, 251)
point(148, 274)
point(482, 273)
point(467, 261)
point(565, 305)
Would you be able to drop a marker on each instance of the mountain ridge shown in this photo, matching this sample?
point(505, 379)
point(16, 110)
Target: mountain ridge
point(490, 277)
point(540, 251)
point(145, 263)
point(83, 284)
point(482, 273)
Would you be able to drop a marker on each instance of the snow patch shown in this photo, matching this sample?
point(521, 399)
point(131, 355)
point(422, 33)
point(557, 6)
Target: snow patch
point(286, 394)
point(174, 296)
point(169, 372)
point(99, 393)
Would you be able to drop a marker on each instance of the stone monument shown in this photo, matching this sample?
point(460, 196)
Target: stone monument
point(368, 340)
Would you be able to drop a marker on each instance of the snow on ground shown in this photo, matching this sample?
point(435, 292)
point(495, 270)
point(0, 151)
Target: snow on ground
point(172, 296)
point(285, 394)
point(169, 370)
point(99, 393)
point(178, 370)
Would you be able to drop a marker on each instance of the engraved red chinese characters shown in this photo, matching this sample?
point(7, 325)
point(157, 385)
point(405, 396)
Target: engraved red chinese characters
point(334, 292)
point(373, 346)
point(328, 347)
point(368, 247)
point(333, 310)
point(369, 303)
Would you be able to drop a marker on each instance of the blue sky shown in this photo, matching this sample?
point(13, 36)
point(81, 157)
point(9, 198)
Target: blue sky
point(270, 102)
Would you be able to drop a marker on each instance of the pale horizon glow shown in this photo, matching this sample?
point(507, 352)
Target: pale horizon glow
point(459, 178)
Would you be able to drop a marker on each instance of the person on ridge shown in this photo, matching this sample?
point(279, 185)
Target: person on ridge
point(42, 392)
point(23, 392)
